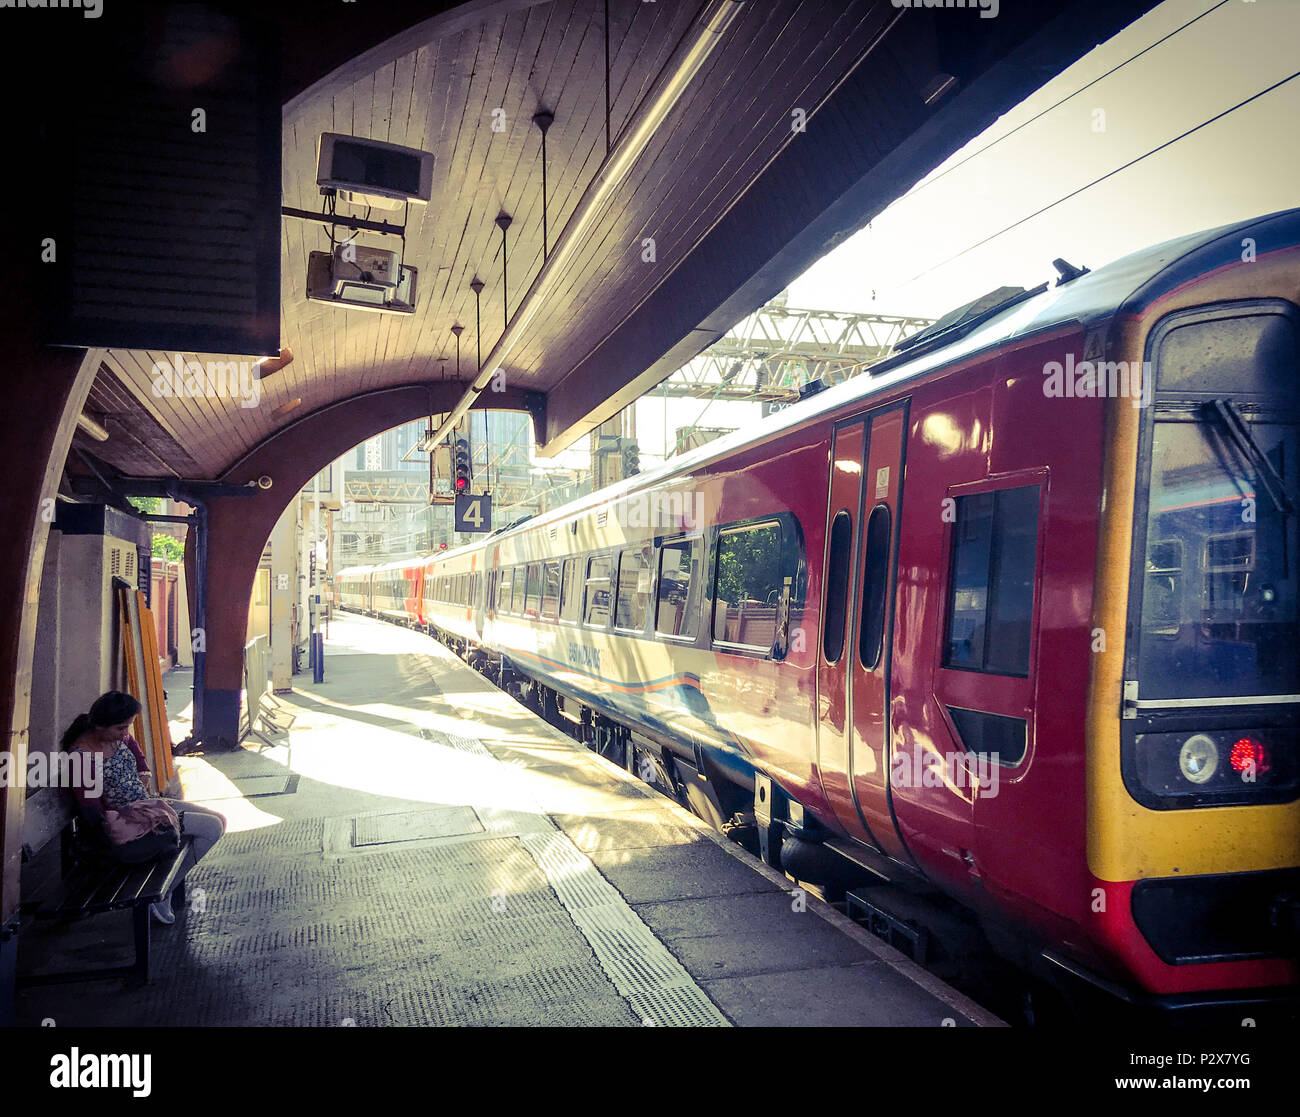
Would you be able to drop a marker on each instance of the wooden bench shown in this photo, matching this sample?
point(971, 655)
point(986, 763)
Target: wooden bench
point(92, 883)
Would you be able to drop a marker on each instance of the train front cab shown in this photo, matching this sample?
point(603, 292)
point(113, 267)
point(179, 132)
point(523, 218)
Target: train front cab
point(1193, 781)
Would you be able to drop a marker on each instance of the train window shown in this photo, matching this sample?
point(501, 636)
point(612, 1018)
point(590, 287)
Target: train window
point(570, 595)
point(633, 588)
point(503, 590)
point(1220, 618)
point(517, 592)
point(533, 599)
point(748, 586)
point(678, 606)
point(837, 586)
point(596, 596)
point(551, 590)
point(991, 593)
point(875, 584)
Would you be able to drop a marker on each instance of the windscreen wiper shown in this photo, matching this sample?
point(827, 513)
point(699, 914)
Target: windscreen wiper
point(1229, 414)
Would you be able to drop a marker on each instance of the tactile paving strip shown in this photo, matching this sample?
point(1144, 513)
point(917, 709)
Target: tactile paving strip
point(641, 968)
point(295, 836)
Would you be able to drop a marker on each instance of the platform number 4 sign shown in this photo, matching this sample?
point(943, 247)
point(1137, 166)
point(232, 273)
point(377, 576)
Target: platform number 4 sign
point(473, 513)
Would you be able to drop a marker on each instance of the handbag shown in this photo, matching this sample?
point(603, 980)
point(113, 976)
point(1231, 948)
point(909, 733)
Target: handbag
point(142, 830)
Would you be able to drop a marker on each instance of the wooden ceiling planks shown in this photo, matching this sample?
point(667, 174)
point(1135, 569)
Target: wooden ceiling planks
point(678, 207)
point(440, 96)
point(583, 157)
point(665, 179)
point(120, 412)
point(767, 128)
point(579, 115)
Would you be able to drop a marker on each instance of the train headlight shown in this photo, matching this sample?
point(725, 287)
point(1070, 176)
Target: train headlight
point(1213, 767)
point(1198, 759)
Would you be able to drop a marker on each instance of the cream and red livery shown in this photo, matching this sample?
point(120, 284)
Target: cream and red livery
point(1015, 612)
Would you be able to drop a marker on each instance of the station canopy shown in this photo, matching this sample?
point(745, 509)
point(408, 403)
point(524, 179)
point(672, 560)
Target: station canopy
point(777, 128)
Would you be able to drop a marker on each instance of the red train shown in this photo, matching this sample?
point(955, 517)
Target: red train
point(1015, 614)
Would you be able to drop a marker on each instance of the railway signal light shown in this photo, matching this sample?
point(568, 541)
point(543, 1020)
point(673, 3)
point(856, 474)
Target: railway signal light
point(631, 458)
point(461, 470)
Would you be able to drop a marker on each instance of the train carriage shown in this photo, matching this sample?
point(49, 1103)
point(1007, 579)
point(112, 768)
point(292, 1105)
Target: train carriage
point(1014, 614)
point(395, 592)
point(451, 589)
point(352, 588)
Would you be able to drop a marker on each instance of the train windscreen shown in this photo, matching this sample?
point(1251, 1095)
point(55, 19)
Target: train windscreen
point(1220, 589)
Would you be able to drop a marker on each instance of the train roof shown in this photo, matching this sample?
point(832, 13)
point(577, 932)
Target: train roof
point(1089, 298)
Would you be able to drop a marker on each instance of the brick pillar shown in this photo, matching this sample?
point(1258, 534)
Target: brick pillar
point(47, 390)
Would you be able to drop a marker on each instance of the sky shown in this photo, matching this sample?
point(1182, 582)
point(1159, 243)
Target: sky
point(1000, 209)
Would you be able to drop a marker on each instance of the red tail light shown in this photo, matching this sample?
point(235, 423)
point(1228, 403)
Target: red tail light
point(1248, 754)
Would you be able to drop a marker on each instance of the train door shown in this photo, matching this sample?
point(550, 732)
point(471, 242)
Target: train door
point(477, 578)
point(869, 655)
point(834, 678)
point(858, 586)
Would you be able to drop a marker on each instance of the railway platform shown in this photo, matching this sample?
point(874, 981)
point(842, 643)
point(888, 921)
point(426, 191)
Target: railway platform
point(423, 850)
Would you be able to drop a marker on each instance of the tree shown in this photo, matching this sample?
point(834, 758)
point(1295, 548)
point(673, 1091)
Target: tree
point(168, 547)
point(749, 565)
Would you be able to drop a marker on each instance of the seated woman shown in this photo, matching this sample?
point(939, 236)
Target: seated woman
point(106, 731)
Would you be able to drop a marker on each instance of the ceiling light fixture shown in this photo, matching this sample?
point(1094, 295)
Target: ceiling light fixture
point(92, 428)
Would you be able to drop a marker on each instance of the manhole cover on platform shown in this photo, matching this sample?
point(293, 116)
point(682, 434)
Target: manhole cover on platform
point(267, 785)
point(412, 826)
point(252, 787)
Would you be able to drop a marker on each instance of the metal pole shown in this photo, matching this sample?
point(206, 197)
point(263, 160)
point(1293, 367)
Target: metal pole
point(199, 620)
point(606, 79)
point(315, 550)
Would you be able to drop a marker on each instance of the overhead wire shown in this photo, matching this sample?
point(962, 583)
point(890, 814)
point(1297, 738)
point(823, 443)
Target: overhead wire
point(920, 186)
point(1109, 174)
